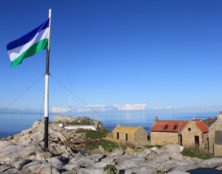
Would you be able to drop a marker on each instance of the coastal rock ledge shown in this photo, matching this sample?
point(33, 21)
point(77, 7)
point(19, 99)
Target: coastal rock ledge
point(23, 154)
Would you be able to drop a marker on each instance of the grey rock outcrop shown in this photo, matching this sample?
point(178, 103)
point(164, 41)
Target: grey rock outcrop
point(78, 121)
point(23, 153)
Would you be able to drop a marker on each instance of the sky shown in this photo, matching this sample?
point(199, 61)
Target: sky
point(123, 55)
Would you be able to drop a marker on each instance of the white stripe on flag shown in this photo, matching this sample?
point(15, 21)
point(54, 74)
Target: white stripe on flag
point(16, 52)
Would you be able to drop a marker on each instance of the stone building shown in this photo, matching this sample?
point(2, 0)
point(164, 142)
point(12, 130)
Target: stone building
point(130, 135)
point(190, 134)
point(215, 136)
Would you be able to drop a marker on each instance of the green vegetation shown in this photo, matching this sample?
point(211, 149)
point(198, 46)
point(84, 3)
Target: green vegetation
point(96, 139)
point(210, 121)
point(111, 169)
point(150, 146)
point(82, 122)
point(198, 153)
point(160, 172)
point(106, 144)
point(94, 134)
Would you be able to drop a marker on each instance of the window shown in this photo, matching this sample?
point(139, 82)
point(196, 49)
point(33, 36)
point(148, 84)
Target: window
point(175, 127)
point(166, 126)
point(117, 135)
point(189, 129)
point(126, 137)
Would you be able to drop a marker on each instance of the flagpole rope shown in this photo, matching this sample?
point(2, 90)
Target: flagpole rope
point(73, 94)
point(23, 92)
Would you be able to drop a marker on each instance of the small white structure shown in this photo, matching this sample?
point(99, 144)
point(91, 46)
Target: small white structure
point(61, 125)
point(75, 127)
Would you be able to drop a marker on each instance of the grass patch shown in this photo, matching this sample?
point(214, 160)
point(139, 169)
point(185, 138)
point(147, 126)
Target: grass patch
point(110, 169)
point(99, 134)
point(106, 144)
point(150, 146)
point(198, 153)
point(97, 139)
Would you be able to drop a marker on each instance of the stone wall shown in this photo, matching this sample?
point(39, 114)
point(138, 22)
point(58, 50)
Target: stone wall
point(140, 137)
point(188, 135)
point(161, 138)
point(215, 147)
point(137, 138)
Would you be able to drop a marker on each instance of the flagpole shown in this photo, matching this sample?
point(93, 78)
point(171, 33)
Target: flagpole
point(47, 74)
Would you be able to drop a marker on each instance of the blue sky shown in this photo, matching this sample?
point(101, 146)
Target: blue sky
point(117, 54)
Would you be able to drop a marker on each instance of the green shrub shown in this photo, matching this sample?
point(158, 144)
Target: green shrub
point(198, 153)
point(150, 146)
point(160, 172)
point(94, 134)
point(111, 169)
point(106, 144)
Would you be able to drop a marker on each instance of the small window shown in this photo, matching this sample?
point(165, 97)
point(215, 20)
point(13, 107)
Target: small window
point(117, 135)
point(189, 129)
point(126, 137)
point(166, 126)
point(175, 127)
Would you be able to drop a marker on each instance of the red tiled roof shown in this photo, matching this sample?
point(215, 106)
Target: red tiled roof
point(168, 125)
point(201, 125)
point(176, 125)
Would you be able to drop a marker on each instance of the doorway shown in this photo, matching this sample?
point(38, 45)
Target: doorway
point(197, 141)
point(126, 137)
point(180, 139)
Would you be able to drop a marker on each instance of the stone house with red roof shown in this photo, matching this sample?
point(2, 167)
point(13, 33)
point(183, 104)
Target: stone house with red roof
point(190, 134)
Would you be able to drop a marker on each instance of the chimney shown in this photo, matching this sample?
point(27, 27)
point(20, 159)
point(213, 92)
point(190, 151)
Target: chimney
point(156, 119)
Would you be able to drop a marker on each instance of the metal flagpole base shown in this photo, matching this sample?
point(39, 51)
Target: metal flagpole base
point(46, 123)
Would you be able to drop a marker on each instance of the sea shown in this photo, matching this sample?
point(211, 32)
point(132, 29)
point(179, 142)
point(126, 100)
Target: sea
point(14, 123)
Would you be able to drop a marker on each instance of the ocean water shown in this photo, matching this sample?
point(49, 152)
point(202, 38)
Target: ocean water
point(13, 123)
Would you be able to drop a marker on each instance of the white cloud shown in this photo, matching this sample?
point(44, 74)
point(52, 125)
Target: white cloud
point(97, 107)
point(117, 107)
point(131, 107)
point(163, 108)
point(60, 109)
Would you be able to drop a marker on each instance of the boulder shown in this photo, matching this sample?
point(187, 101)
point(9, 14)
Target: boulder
point(56, 162)
point(21, 163)
point(141, 170)
point(91, 171)
point(69, 172)
point(48, 169)
point(4, 144)
point(96, 157)
point(31, 167)
point(171, 148)
point(129, 150)
point(117, 152)
point(177, 172)
point(41, 167)
point(211, 163)
point(12, 171)
point(4, 168)
point(14, 153)
point(155, 149)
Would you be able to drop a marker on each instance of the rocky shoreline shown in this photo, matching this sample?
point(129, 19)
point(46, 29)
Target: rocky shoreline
point(23, 153)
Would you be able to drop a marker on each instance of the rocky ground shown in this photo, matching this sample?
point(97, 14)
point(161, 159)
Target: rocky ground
point(23, 153)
